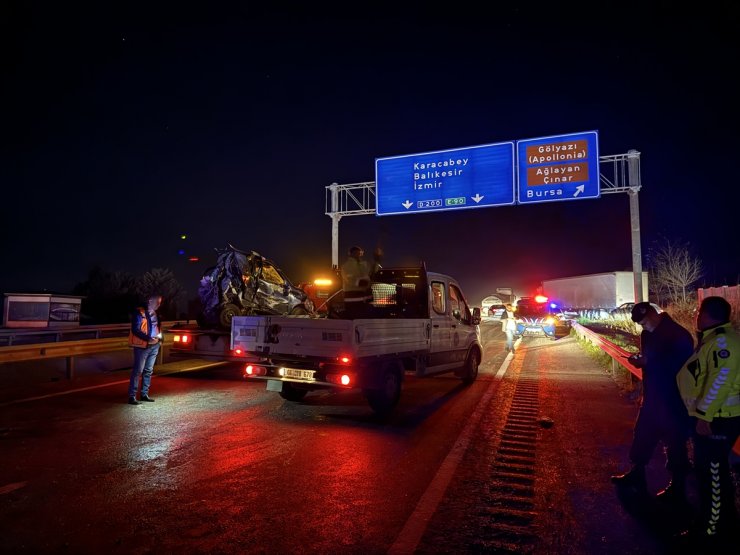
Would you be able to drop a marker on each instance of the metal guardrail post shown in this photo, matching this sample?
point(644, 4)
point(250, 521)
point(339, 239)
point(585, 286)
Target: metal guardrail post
point(70, 367)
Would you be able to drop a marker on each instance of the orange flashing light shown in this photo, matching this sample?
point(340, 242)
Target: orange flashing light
point(540, 299)
point(322, 282)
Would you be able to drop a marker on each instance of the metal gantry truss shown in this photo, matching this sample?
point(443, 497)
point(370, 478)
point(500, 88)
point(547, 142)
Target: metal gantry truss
point(618, 173)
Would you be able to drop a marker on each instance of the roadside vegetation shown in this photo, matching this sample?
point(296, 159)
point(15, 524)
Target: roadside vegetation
point(674, 273)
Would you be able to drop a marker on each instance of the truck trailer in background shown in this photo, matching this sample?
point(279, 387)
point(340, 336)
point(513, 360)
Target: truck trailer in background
point(607, 290)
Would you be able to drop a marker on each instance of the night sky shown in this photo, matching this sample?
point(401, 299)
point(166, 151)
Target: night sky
point(126, 126)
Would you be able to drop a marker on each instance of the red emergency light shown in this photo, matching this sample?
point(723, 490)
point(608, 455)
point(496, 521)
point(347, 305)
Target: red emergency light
point(540, 298)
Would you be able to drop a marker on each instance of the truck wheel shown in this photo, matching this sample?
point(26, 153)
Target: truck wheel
point(384, 399)
point(227, 312)
point(471, 368)
point(290, 393)
point(299, 310)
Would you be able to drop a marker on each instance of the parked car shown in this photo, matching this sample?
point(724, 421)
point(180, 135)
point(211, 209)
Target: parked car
point(496, 310)
point(488, 302)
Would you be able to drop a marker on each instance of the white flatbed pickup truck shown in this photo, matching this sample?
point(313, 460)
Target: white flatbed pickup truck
point(419, 322)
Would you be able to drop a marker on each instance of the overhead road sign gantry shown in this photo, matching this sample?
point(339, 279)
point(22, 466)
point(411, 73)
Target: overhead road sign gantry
point(461, 178)
point(561, 167)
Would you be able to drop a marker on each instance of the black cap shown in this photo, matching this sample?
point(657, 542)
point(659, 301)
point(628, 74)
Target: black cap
point(640, 310)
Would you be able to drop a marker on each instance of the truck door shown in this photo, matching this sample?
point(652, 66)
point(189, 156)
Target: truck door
point(462, 330)
point(441, 354)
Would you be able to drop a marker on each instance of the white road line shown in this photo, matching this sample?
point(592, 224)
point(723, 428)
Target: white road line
point(59, 393)
point(77, 390)
point(412, 532)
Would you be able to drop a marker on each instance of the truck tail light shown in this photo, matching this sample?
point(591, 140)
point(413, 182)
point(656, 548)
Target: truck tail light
point(344, 359)
point(182, 341)
point(346, 380)
point(254, 370)
point(238, 352)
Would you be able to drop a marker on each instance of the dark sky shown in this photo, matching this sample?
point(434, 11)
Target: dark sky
point(126, 125)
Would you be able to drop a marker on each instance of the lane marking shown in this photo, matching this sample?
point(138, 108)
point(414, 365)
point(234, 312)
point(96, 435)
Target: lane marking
point(410, 536)
point(119, 382)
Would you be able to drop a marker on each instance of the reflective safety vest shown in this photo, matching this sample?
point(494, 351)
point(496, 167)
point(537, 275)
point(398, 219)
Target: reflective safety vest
point(710, 379)
point(140, 323)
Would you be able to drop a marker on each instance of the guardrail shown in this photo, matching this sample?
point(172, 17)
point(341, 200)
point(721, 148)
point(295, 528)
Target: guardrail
point(68, 349)
point(618, 354)
point(26, 336)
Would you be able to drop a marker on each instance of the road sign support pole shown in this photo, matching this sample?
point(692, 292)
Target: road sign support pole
point(633, 164)
point(335, 217)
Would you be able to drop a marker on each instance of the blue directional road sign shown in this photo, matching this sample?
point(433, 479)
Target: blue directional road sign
point(563, 167)
point(472, 177)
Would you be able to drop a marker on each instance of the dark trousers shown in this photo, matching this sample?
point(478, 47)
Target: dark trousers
point(716, 488)
point(656, 425)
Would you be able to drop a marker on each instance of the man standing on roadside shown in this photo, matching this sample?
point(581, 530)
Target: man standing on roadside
point(664, 347)
point(710, 386)
point(145, 337)
point(508, 326)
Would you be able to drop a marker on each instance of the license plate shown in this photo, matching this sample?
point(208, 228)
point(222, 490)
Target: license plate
point(299, 374)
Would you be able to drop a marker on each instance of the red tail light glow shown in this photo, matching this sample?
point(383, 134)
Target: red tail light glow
point(346, 380)
point(345, 359)
point(253, 370)
point(181, 338)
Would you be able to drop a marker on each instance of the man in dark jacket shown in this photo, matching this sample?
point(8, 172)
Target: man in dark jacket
point(664, 347)
point(145, 336)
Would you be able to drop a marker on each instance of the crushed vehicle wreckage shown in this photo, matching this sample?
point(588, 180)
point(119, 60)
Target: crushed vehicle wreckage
point(246, 283)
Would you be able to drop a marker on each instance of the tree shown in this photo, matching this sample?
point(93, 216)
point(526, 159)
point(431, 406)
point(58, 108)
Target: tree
point(108, 296)
point(161, 281)
point(673, 269)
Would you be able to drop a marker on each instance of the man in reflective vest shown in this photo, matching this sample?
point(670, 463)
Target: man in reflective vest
point(356, 284)
point(710, 387)
point(145, 336)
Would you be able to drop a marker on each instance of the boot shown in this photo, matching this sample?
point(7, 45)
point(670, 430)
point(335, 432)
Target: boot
point(635, 478)
point(674, 492)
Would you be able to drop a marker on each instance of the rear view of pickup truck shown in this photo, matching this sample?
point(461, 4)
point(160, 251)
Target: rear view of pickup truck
point(419, 322)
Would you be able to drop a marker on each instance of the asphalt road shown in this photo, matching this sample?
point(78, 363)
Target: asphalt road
point(517, 462)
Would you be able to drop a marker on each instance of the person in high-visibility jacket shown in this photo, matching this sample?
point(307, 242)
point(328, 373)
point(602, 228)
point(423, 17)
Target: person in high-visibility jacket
point(145, 337)
point(710, 387)
point(356, 282)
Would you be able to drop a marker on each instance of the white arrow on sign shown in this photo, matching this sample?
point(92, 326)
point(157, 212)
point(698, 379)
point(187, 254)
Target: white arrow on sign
point(407, 204)
point(477, 198)
point(579, 190)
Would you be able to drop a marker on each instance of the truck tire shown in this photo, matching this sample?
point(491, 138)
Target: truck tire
point(299, 310)
point(292, 393)
point(384, 399)
point(471, 368)
point(226, 313)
